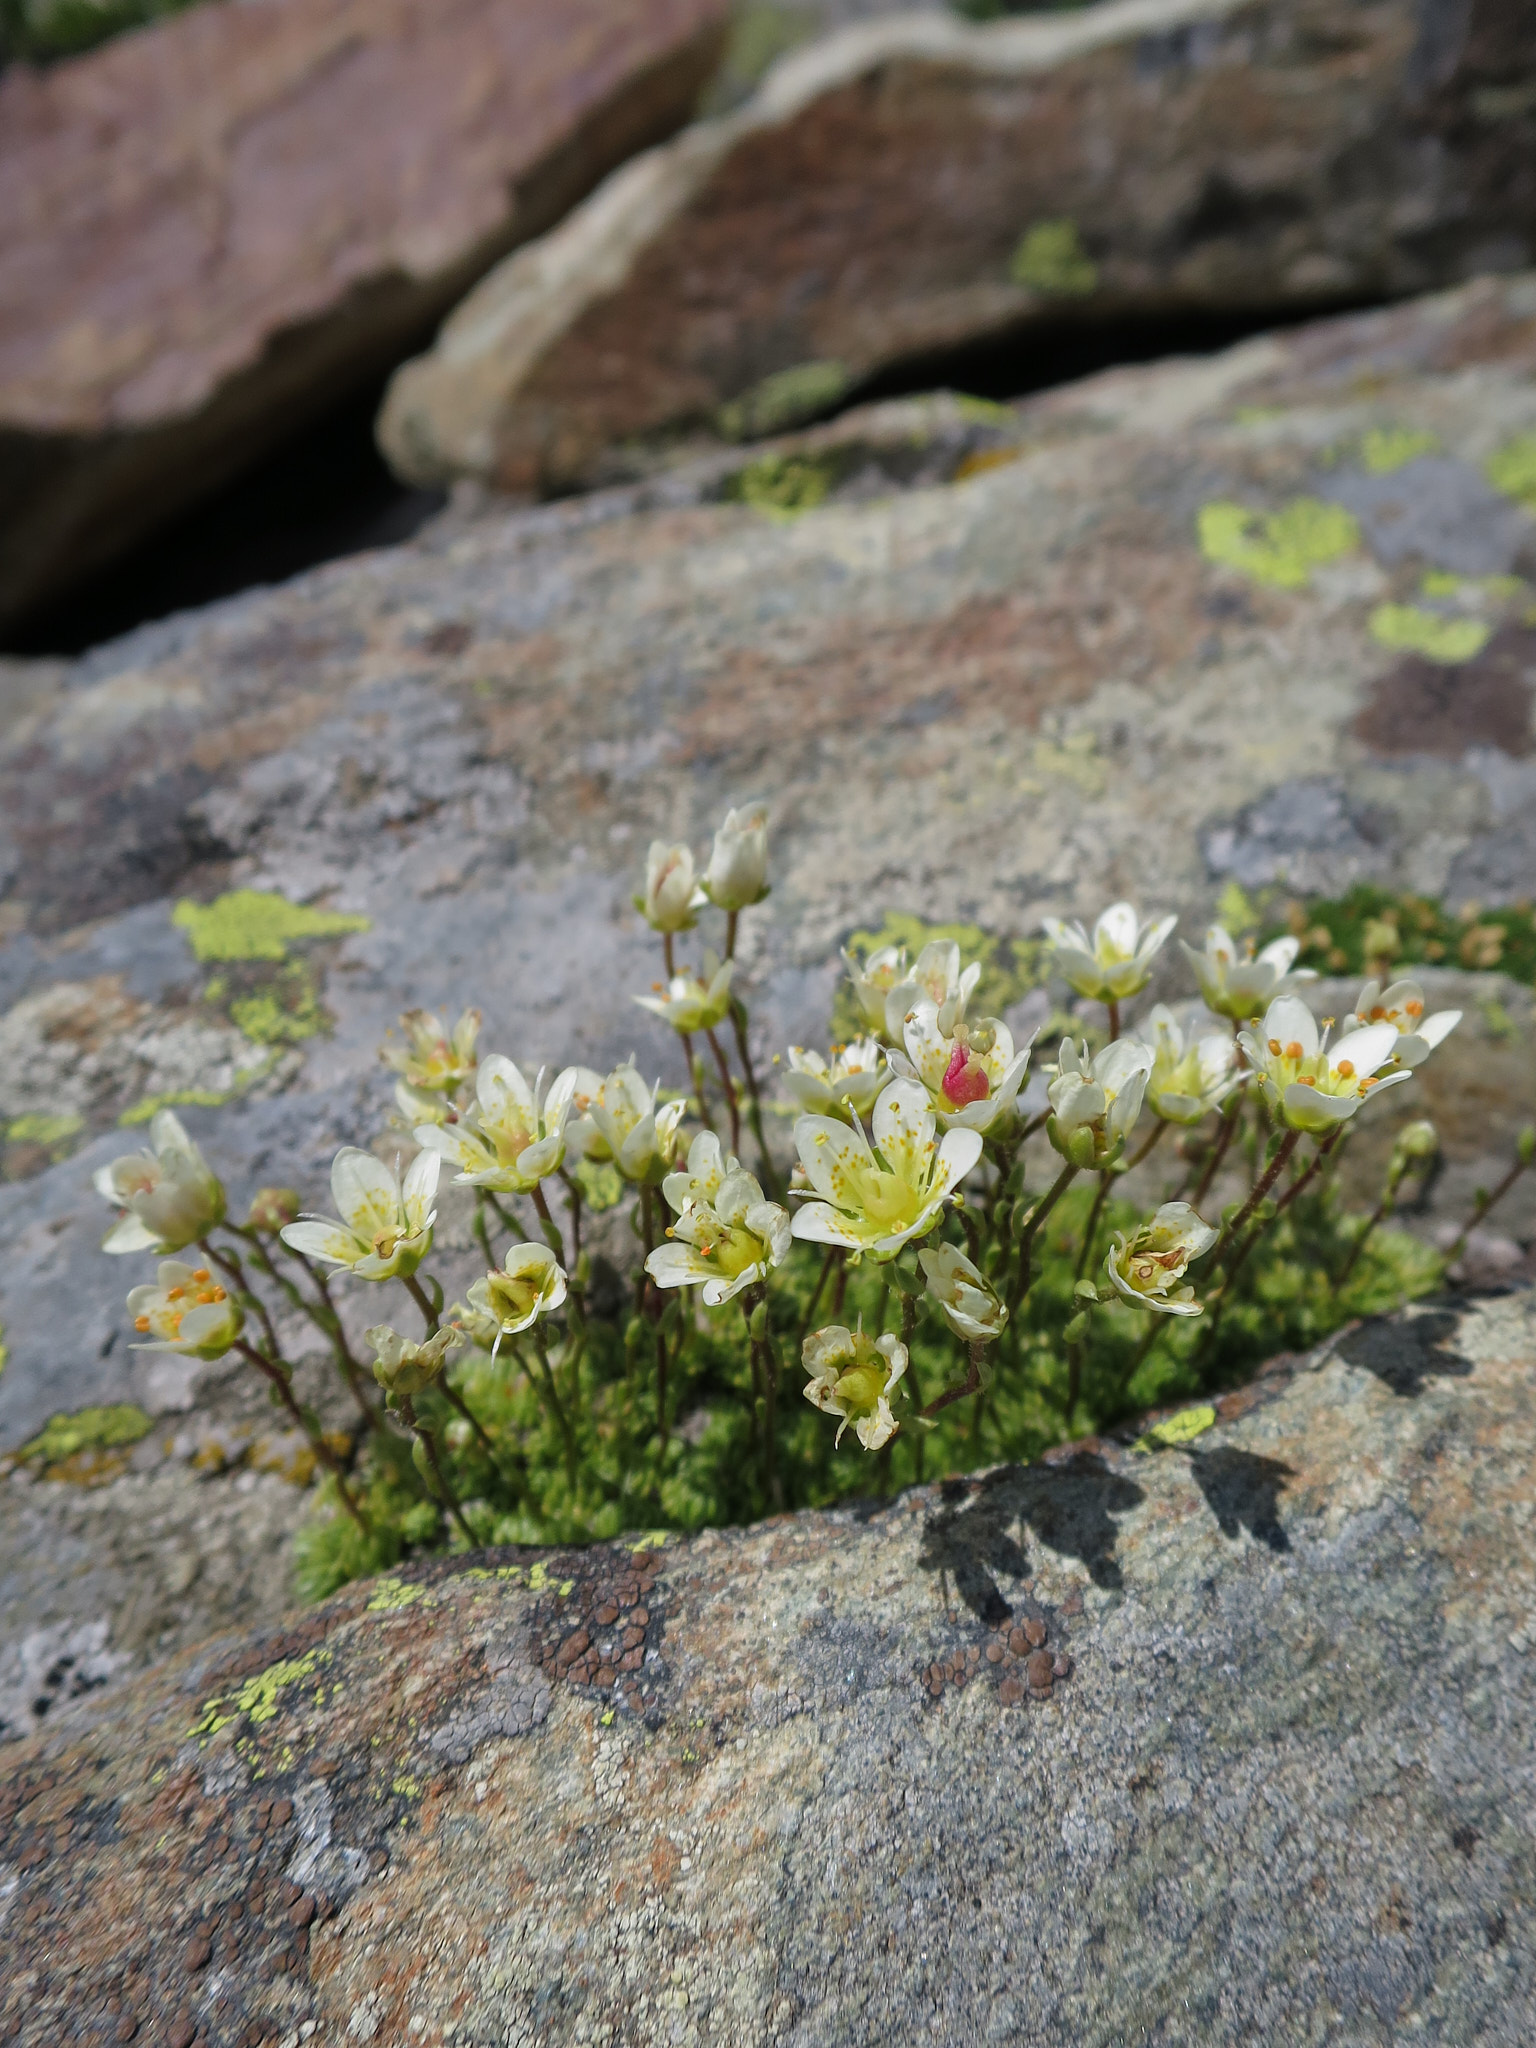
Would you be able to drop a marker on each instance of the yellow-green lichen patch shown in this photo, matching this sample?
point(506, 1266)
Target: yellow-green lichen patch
point(1409, 629)
point(37, 1129)
point(1446, 583)
point(390, 1595)
point(146, 1110)
point(260, 1696)
point(1512, 469)
point(789, 398)
point(539, 1580)
point(1385, 449)
point(783, 486)
point(600, 1184)
point(1278, 548)
point(249, 924)
point(285, 1012)
point(1050, 259)
point(1182, 1428)
point(405, 1788)
point(984, 412)
point(88, 1429)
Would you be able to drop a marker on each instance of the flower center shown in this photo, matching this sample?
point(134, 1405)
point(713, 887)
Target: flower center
point(965, 1078)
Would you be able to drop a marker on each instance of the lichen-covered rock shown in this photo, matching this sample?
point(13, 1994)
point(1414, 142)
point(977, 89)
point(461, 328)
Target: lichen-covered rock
point(982, 664)
point(1227, 1736)
point(916, 183)
point(215, 226)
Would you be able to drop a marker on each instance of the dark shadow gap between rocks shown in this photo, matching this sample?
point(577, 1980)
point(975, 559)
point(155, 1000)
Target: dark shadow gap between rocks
point(317, 496)
point(325, 492)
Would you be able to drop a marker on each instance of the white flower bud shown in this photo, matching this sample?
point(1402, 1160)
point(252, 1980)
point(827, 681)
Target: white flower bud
point(672, 891)
point(738, 864)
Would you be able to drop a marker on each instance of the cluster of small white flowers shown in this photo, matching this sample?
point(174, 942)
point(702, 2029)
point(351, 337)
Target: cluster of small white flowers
point(910, 1148)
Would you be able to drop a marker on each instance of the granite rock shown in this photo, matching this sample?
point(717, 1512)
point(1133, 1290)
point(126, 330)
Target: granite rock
point(915, 184)
point(1227, 1741)
point(218, 225)
point(992, 673)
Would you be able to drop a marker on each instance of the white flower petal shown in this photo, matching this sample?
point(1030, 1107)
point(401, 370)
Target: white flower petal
point(319, 1238)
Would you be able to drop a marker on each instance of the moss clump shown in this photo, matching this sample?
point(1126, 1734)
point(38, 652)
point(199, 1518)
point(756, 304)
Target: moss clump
point(1051, 259)
point(789, 398)
point(38, 31)
point(1278, 548)
point(248, 924)
point(88, 1429)
point(1373, 931)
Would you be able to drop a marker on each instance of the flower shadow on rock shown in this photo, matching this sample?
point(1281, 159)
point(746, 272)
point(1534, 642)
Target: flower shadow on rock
point(1243, 1491)
point(1071, 1506)
point(1403, 1352)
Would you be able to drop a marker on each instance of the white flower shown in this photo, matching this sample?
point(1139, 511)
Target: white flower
point(1239, 985)
point(1189, 1075)
point(529, 1283)
point(694, 1003)
point(1402, 1006)
point(1147, 1269)
point(873, 981)
point(876, 1200)
point(403, 1367)
point(433, 1058)
point(625, 1125)
point(385, 1229)
point(701, 1179)
point(1094, 1105)
point(844, 1086)
point(967, 1298)
point(511, 1139)
point(937, 978)
point(738, 863)
point(853, 1376)
point(970, 1069)
point(1115, 961)
point(187, 1311)
point(725, 1243)
point(1315, 1089)
point(672, 892)
point(172, 1195)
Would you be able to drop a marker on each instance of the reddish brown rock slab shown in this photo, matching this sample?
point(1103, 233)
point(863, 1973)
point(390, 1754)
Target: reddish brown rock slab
point(913, 184)
point(214, 225)
point(1287, 1695)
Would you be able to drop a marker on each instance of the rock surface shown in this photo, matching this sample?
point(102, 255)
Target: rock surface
point(216, 226)
point(1228, 1741)
point(917, 183)
point(992, 674)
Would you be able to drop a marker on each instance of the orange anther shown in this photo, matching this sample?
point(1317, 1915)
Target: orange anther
point(1293, 1051)
point(141, 1322)
point(1345, 1070)
point(200, 1274)
point(176, 1293)
point(1274, 1048)
point(1413, 1009)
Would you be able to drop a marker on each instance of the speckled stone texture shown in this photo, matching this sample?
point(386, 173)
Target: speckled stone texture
point(992, 676)
point(216, 226)
point(916, 183)
point(1270, 1775)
